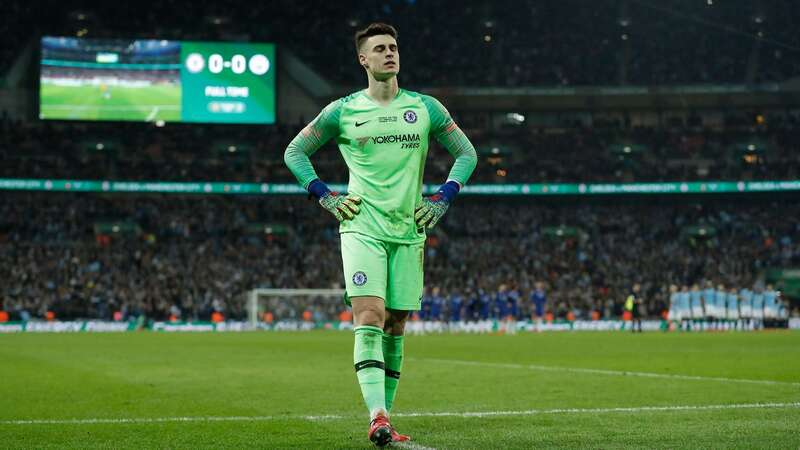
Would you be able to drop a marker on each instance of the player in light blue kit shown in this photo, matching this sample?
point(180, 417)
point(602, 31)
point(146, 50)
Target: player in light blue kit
point(720, 307)
point(685, 305)
point(710, 304)
point(698, 315)
point(674, 314)
point(746, 308)
point(770, 304)
point(733, 309)
point(758, 309)
point(685, 308)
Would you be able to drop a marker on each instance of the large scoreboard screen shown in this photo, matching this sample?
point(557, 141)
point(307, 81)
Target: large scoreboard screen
point(152, 80)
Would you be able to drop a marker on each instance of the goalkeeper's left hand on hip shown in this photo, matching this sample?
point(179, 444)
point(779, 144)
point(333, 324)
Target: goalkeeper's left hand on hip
point(431, 209)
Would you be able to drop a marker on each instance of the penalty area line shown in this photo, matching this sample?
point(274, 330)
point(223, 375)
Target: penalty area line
point(606, 372)
point(462, 414)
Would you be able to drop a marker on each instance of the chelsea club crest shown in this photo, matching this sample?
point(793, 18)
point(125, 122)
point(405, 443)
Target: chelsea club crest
point(410, 116)
point(359, 278)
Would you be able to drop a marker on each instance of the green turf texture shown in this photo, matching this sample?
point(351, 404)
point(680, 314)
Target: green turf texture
point(124, 103)
point(287, 375)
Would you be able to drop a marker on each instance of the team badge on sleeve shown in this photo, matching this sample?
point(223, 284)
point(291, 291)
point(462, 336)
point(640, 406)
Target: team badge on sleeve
point(410, 116)
point(359, 278)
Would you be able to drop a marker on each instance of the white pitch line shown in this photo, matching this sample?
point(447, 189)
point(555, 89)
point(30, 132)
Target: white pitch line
point(608, 372)
point(152, 114)
point(463, 414)
point(631, 409)
point(146, 420)
point(411, 445)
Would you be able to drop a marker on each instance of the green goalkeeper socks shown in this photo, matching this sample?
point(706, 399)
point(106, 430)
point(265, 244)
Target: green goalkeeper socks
point(393, 355)
point(368, 358)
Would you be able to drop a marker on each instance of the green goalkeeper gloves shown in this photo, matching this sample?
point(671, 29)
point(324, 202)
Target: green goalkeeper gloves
point(426, 214)
point(342, 207)
point(432, 208)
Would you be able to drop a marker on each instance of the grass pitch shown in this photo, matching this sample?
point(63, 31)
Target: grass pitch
point(257, 390)
point(114, 103)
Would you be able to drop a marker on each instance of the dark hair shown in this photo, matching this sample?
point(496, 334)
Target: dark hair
point(374, 29)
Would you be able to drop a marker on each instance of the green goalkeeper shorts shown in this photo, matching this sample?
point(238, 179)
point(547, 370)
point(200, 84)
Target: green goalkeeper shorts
point(383, 269)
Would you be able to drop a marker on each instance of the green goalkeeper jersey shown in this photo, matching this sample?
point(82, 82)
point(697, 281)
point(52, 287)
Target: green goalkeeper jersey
point(385, 148)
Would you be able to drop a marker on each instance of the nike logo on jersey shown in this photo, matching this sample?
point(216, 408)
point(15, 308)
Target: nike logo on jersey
point(358, 124)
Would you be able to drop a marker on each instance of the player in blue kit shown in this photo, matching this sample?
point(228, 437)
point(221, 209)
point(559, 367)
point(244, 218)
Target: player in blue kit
point(500, 307)
point(539, 299)
point(485, 311)
point(437, 305)
point(513, 311)
point(456, 303)
point(425, 306)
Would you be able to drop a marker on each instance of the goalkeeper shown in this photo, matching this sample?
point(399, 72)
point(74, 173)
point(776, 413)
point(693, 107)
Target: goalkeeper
point(382, 133)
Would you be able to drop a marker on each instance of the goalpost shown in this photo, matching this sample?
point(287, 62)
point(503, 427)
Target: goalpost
point(269, 299)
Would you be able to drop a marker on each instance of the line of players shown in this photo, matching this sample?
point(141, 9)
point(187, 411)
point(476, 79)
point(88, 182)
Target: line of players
point(723, 309)
point(482, 312)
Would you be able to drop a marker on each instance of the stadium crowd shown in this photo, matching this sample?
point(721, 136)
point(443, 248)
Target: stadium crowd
point(91, 256)
point(571, 152)
point(502, 43)
point(109, 256)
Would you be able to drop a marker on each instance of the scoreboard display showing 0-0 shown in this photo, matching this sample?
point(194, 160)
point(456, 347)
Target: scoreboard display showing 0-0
point(226, 82)
point(153, 80)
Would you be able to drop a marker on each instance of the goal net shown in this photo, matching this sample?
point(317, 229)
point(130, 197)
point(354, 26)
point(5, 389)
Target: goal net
point(308, 306)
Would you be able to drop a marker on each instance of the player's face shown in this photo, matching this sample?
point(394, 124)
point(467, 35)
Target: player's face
point(380, 56)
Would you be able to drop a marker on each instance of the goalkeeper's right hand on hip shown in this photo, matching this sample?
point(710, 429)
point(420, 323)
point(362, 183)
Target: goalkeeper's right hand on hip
point(343, 207)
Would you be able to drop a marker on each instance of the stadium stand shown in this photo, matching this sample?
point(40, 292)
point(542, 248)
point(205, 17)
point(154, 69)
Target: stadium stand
point(190, 256)
point(504, 43)
point(569, 153)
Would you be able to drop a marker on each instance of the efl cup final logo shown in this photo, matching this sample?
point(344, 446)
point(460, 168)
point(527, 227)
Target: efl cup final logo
point(410, 116)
